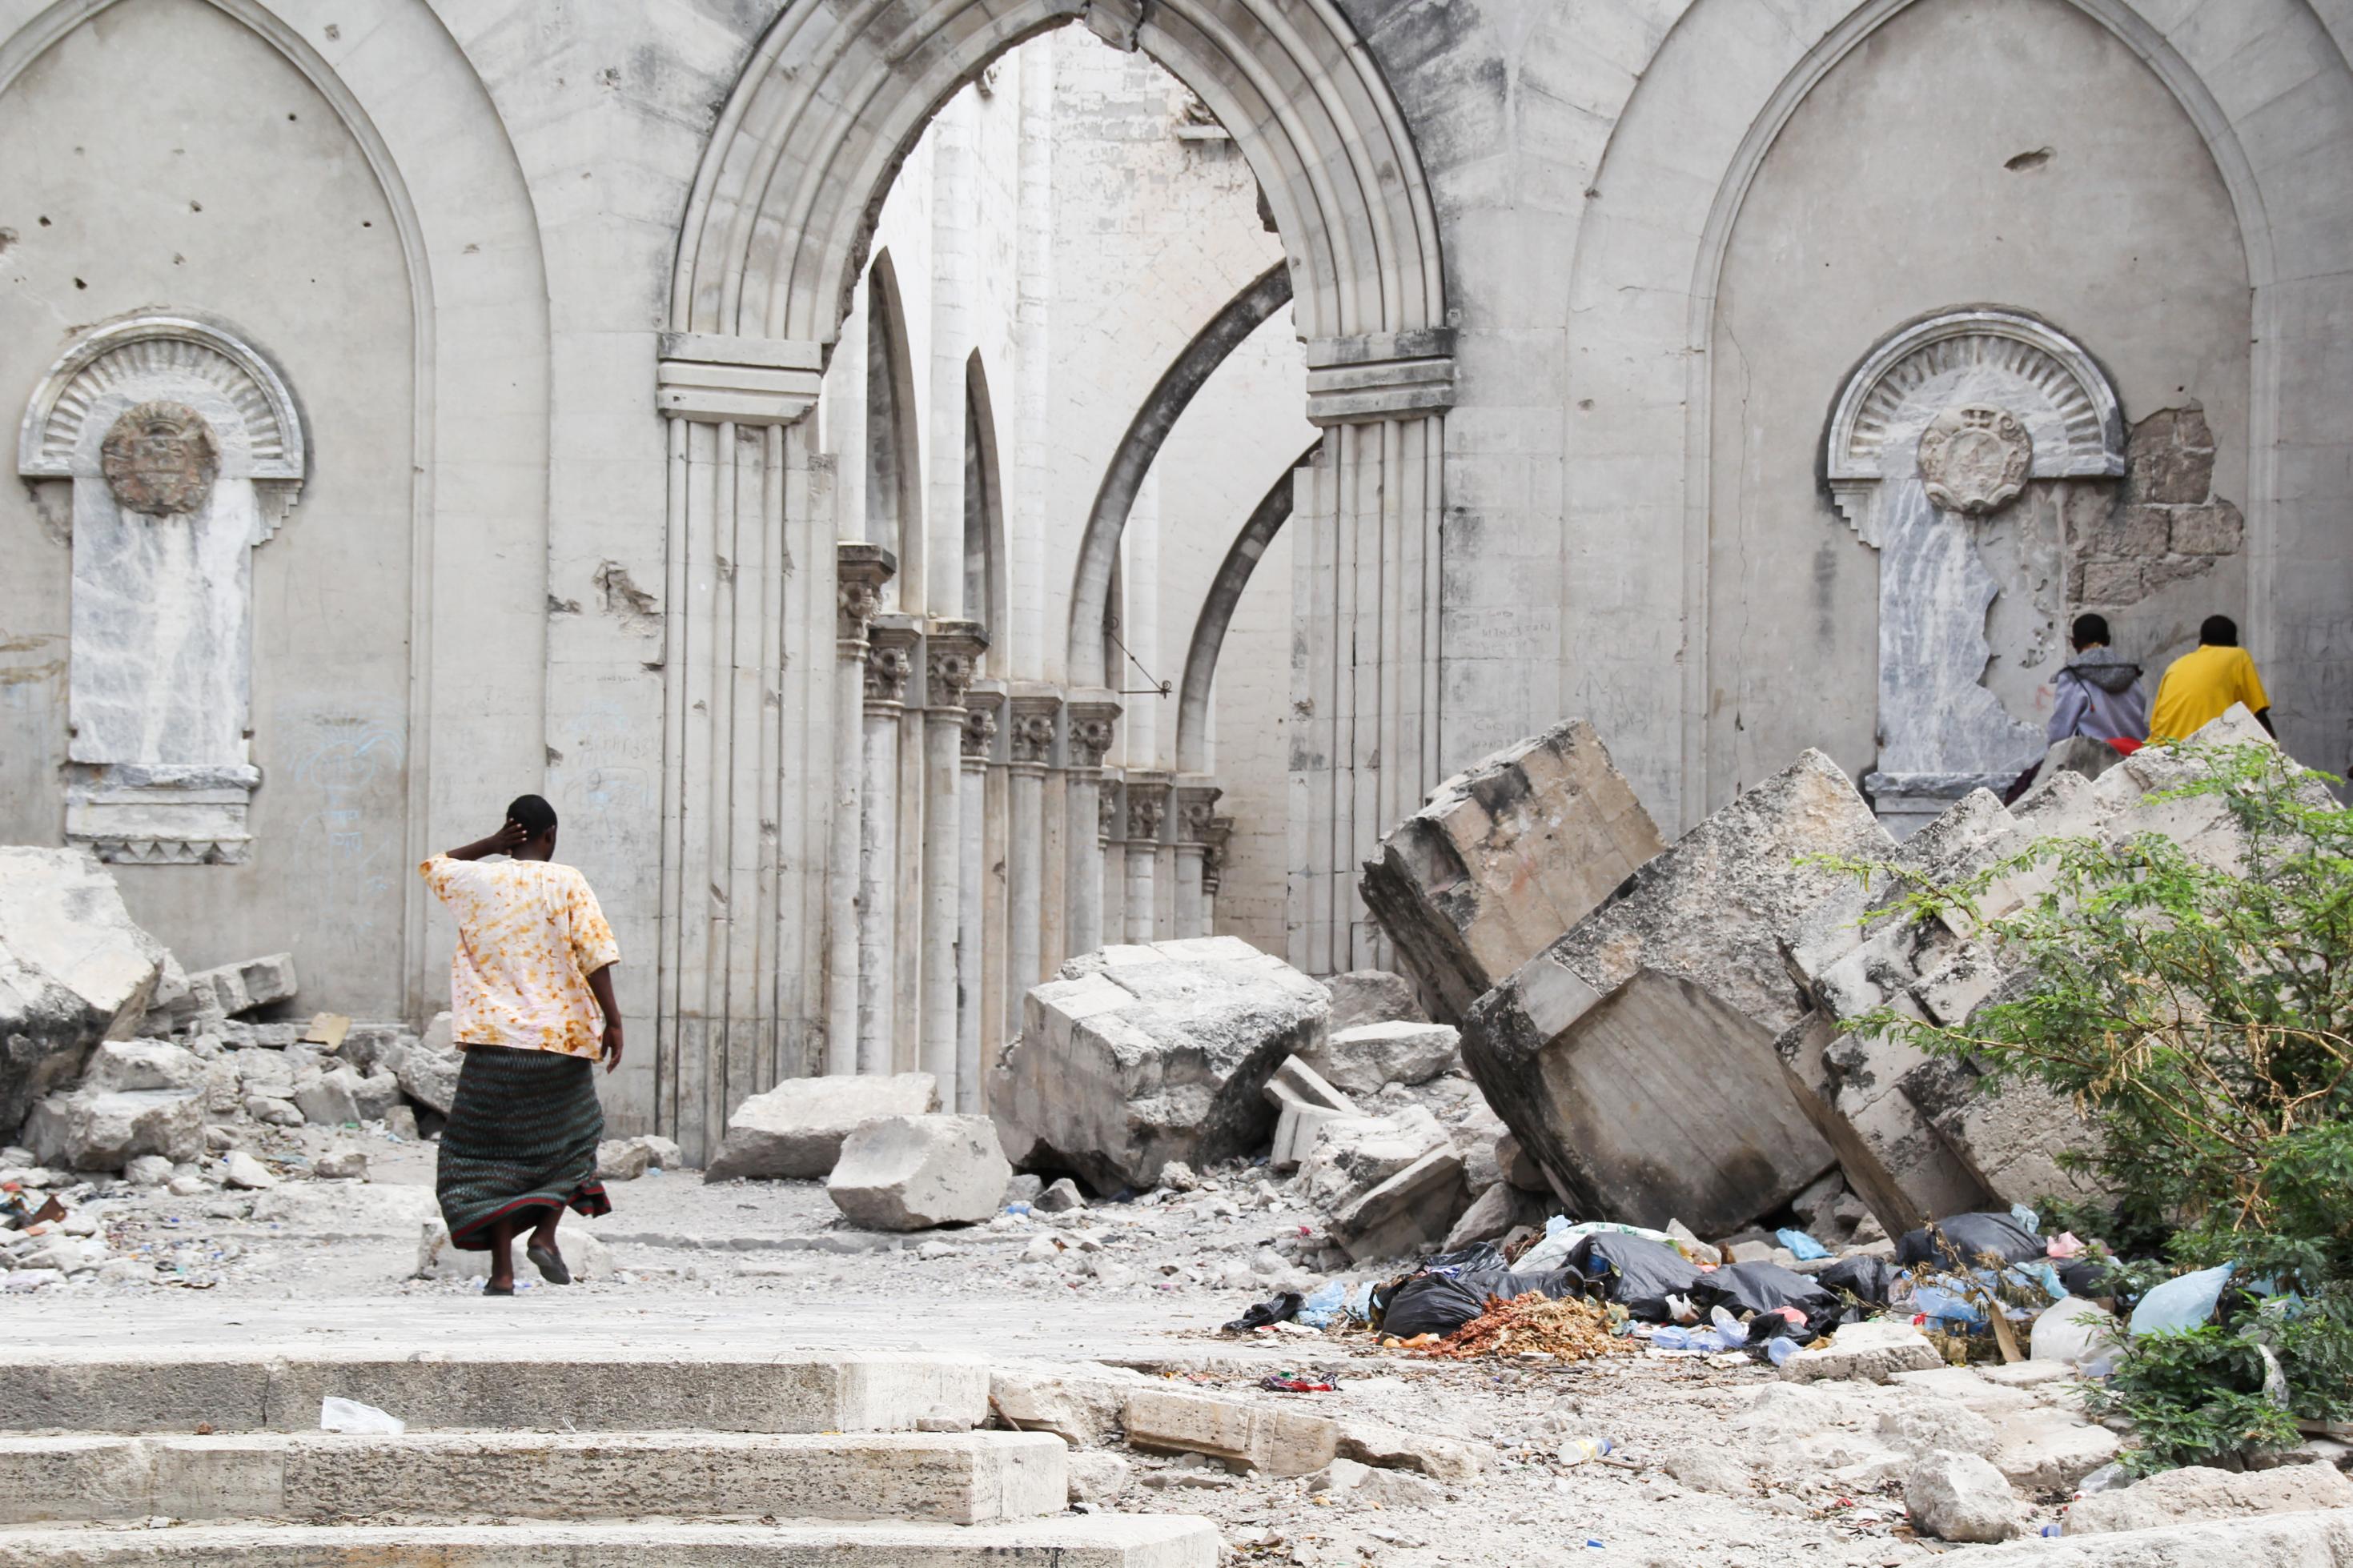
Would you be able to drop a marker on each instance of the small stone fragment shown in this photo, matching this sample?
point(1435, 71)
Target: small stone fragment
point(242, 1170)
point(1961, 1497)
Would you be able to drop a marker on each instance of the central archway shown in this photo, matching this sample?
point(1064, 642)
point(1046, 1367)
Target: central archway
point(774, 239)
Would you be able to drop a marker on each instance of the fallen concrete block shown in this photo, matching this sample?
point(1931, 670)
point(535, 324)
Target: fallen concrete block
point(1061, 1196)
point(242, 1171)
point(328, 1098)
point(1409, 1214)
point(131, 1065)
point(2322, 1539)
point(1353, 1154)
point(1519, 1170)
point(374, 1094)
point(101, 1131)
point(428, 1074)
point(74, 969)
point(622, 1160)
point(1357, 1482)
point(1305, 1104)
point(1241, 1432)
point(2013, 1141)
point(2048, 1450)
point(1960, 1496)
point(795, 1130)
point(1373, 997)
point(912, 1172)
point(2198, 1492)
point(1394, 1449)
point(1864, 1352)
point(1504, 858)
point(1633, 1057)
point(234, 988)
point(1360, 1060)
point(1083, 1404)
point(1140, 1055)
point(341, 1165)
point(1094, 1477)
point(1495, 1215)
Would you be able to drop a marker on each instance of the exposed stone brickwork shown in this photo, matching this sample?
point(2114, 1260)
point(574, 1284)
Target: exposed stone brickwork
point(2166, 526)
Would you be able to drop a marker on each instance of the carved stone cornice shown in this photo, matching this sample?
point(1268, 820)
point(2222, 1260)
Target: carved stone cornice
point(951, 662)
point(1388, 375)
point(1092, 724)
point(716, 378)
point(859, 571)
point(890, 659)
point(981, 706)
point(1147, 810)
point(1196, 807)
point(1031, 722)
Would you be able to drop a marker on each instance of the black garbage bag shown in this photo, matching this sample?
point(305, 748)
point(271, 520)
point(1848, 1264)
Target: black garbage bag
point(1279, 1308)
point(1959, 1241)
point(1480, 1257)
point(2090, 1276)
point(1742, 1288)
point(1866, 1277)
point(1441, 1303)
point(1636, 1273)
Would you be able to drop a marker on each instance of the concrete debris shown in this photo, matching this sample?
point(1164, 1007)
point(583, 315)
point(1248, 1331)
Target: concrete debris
point(1633, 1057)
point(2321, 1538)
point(1359, 1061)
point(240, 1169)
point(74, 970)
point(1084, 1403)
point(1506, 856)
point(427, 1071)
point(341, 1165)
point(622, 1160)
point(1095, 1476)
point(1063, 1196)
point(1864, 1352)
point(1519, 1170)
point(1410, 1214)
point(1355, 1155)
point(795, 1130)
point(1391, 1447)
point(1140, 1055)
point(2198, 1492)
point(1303, 1103)
point(1961, 1497)
point(1241, 1432)
point(912, 1172)
point(97, 1129)
point(1382, 1489)
point(1373, 997)
point(147, 1171)
point(1495, 1215)
point(131, 1065)
point(2047, 1450)
point(328, 1098)
point(236, 988)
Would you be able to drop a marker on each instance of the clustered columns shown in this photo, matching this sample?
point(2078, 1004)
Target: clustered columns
point(980, 920)
point(860, 572)
point(1092, 722)
point(1197, 805)
point(1147, 816)
point(952, 662)
point(1033, 724)
point(890, 666)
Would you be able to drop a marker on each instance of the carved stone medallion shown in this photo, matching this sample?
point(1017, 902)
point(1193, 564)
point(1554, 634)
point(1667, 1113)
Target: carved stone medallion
point(160, 460)
point(1974, 458)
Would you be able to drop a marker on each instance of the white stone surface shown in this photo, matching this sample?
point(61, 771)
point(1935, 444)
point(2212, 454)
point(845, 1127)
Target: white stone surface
point(913, 1172)
point(796, 1128)
point(1361, 1060)
point(1961, 1497)
point(97, 1129)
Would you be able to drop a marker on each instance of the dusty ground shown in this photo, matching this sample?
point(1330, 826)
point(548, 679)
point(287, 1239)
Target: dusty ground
point(1714, 1465)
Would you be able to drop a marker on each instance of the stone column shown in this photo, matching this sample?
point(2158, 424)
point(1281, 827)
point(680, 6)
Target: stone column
point(951, 661)
point(974, 956)
point(1197, 805)
point(1213, 870)
point(1111, 851)
point(860, 570)
point(1029, 741)
point(1147, 813)
point(1092, 721)
point(889, 665)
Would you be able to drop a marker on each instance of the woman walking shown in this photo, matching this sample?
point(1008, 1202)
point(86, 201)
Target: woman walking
point(530, 997)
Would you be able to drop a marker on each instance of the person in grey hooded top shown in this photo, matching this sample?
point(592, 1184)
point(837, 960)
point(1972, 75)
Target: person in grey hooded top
point(2099, 693)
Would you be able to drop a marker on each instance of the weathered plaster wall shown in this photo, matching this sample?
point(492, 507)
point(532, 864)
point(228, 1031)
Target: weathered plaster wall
point(164, 153)
point(2005, 152)
point(1252, 714)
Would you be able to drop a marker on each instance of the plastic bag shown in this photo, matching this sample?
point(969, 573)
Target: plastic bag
point(350, 1416)
point(1326, 1304)
point(1561, 1239)
point(1804, 1245)
point(1278, 1309)
point(2182, 1303)
point(1864, 1277)
point(1762, 1287)
point(1441, 1303)
point(1959, 1241)
point(1637, 1273)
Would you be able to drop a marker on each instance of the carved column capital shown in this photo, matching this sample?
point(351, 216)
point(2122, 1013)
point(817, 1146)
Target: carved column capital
point(951, 662)
point(1147, 807)
point(1213, 858)
point(981, 706)
point(859, 571)
point(890, 659)
point(1031, 718)
point(1111, 814)
point(1197, 806)
point(1093, 721)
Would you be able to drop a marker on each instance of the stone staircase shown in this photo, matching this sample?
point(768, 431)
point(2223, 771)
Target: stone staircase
point(582, 1459)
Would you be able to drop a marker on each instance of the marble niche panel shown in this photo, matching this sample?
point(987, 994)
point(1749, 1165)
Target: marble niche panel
point(185, 450)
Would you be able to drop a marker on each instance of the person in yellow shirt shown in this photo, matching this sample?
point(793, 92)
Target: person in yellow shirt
point(530, 997)
point(2200, 686)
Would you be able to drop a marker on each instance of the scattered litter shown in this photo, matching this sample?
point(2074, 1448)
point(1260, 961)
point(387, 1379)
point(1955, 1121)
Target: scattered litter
point(1570, 1330)
point(1295, 1383)
point(328, 1029)
point(1803, 1246)
point(2182, 1303)
point(350, 1416)
point(1277, 1308)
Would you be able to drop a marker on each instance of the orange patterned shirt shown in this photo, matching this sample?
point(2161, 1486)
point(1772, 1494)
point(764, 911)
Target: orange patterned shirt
point(529, 936)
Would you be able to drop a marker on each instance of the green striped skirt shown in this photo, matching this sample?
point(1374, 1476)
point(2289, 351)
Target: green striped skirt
point(521, 1139)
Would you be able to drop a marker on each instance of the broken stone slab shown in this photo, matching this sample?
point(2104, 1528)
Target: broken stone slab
point(2317, 1538)
point(2047, 1449)
point(130, 1065)
point(234, 988)
point(794, 1131)
point(429, 1074)
point(913, 1172)
point(1094, 1477)
point(1356, 1153)
point(343, 1164)
point(1140, 1055)
point(1961, 1497)
point(1061, 1196)
point(1262, 1437)
point(241, 1170)
point(1864, 1352)
point(2198, 1492)
point(1409, 1214)
point(1519, 1170)
point(74, 969)
point(375, 1094)
point(102, 1130)
point(1373, 997)
point(1305, 1103)
point(1633, 1057)
point(1394, 1449)
point(1082, 1404)
point(1357, 1482)
point(328, 1098)
point(1506, 856)
point(1361, 1060)
point(1495, 1215)
point(2015, 1141)
point(622, 1160)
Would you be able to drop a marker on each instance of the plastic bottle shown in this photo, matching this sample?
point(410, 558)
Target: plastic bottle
point(1577, 1450)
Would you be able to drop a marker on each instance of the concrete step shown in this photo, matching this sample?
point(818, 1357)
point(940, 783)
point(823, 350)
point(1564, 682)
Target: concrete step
point(522, 1388)
point(1102, 1540)
point(962, 1478)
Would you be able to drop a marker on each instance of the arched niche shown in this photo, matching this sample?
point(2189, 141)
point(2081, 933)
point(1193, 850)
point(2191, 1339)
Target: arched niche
point(183, 448)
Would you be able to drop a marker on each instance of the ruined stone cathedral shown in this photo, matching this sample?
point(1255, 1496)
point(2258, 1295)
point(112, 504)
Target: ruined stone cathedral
point(928, 488)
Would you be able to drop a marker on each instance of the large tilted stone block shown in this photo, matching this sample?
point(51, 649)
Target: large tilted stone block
point(1361, 1060)
point(1305, 1104)
point(910, 1173)
point(1633, 1058)
point(74, 969)
point(796, 1129)
point(1140, 1055)
point(1412, 1213)
point(1506, 856)
point(1355, 1155)
point(234, 988)
point(1373, 997)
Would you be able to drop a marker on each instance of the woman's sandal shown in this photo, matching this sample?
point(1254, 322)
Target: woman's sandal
point(550, 1264)
point(498, 1290)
